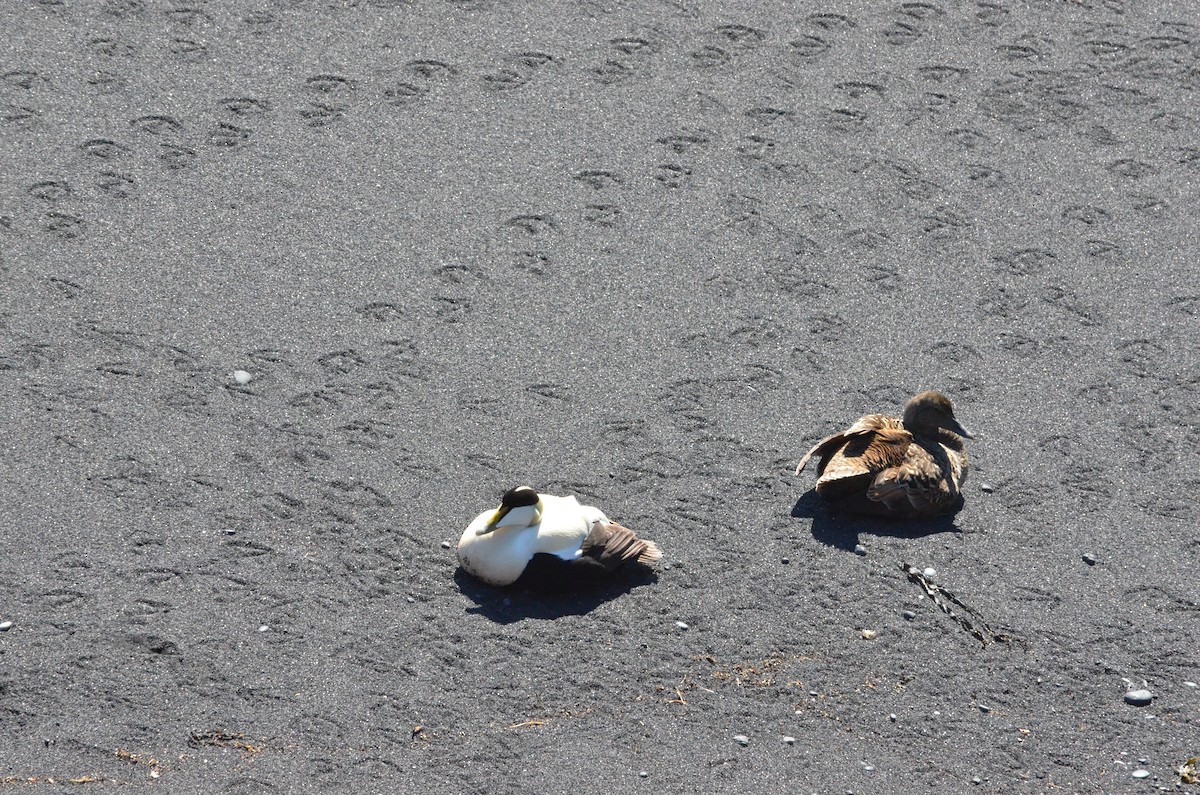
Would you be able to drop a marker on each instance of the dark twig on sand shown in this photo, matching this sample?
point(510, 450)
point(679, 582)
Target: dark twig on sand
point(969, 618)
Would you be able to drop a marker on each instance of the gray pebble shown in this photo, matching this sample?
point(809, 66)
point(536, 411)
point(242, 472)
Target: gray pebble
point(445, 545)
point(789, 740)
point(908, 615)
point(986, 488)
point(1140, 773)
point(976, 780)
point(859, 549)
point(741, 739)
point(892, 717)
point(681, 625)
point(230, 531)
point(813, 693)
point(5, 626)
point(785, 561)
point(1139, 698)
point(263, 628)
point(1088, 559)
point(643, 774)
point(409, 599)
point(984, 708)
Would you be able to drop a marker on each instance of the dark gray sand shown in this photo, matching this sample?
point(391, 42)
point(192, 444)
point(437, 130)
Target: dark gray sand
point(641, 252)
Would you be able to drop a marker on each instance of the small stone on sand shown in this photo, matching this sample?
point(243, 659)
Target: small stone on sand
point(242, 377)
point(741, 739)
point(1139, 698)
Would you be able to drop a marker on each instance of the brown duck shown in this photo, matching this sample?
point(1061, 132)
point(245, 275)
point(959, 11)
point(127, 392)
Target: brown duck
point(907, 468)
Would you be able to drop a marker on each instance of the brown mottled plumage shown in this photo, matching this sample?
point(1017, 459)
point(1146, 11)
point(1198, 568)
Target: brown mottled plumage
point(910, 467)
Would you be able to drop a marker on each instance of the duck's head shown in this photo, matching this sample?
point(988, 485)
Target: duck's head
point(930, 411)
point(520, 507)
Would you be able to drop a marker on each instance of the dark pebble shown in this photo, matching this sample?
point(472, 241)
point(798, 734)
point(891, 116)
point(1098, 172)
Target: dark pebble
point(859, 549)
point(1089, 560)
point(908, 615)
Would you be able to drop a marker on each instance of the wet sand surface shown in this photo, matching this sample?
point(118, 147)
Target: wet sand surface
point(645, 253)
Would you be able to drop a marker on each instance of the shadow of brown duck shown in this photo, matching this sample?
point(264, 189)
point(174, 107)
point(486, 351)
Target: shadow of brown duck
point(843, 530)
point(548, 601)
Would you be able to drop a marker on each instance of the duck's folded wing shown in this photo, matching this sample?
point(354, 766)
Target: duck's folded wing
point(864, 427)
point(914, 486)
point(851, 468)
point(613, 545)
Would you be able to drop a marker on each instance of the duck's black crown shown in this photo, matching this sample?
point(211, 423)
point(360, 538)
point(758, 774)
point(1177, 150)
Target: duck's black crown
point(519, 496)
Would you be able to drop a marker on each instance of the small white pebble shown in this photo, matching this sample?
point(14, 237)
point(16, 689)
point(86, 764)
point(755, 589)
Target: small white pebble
point(986, 488)
point(681, 625)
point(789, 740)
point(741, 739)
point(1140, 773)
point(984, 708)
point(1190, 684)
point(643, 774)
point(263, 628)
point(930, 573)
point(5, 626)
point(242, 377)
point(892, 717)
point(445, 545)
point(869, 634)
